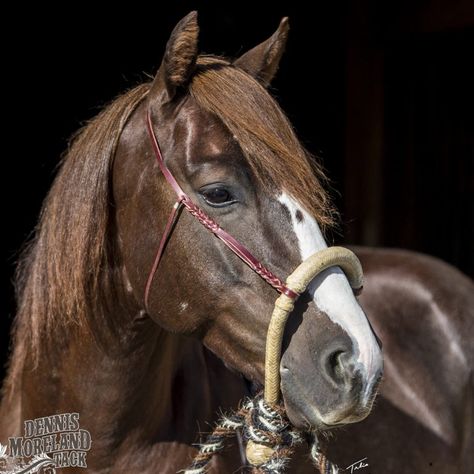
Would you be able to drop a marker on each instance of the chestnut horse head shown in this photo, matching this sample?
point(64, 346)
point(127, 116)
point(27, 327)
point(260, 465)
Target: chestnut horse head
point(233, 151)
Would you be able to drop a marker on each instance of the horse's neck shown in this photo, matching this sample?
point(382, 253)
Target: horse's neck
point(159, 388)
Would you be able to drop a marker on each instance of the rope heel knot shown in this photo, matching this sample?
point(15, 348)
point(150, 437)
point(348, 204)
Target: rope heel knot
point(268, 435)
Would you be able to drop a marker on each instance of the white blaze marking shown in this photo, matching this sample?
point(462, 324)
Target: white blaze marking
point(332, 293)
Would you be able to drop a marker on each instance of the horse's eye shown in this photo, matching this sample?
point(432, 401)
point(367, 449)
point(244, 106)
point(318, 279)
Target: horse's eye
point(217, 196)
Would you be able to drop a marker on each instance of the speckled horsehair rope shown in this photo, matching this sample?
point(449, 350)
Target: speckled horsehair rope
point(320, 460)
point(260, 423)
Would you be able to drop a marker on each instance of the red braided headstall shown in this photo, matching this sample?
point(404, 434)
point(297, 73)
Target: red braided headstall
point(185, 201)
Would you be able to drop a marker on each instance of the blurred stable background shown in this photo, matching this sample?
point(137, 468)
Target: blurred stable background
point(381, 91)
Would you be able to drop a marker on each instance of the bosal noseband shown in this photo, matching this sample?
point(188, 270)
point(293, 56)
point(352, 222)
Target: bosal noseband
point(259, 452)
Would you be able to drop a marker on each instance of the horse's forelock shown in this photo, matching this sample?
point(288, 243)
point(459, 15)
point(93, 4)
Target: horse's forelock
point(264, 134)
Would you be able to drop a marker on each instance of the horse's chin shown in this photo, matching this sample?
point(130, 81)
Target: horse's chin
point(306, 416)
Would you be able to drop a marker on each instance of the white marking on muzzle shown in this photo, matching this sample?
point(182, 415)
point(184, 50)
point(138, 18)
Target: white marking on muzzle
point(333, 295)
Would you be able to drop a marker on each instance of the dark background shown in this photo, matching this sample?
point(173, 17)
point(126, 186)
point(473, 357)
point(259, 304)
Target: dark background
point(381, 91)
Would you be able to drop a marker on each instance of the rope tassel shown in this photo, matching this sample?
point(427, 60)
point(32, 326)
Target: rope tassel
point(269, 437)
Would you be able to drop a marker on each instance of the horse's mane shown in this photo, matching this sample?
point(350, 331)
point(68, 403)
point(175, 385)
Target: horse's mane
point(64, 277)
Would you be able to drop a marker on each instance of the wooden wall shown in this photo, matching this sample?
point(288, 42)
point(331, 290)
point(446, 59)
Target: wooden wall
point(409, 151)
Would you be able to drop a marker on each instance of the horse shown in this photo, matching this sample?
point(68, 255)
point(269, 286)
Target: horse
point(148, 370)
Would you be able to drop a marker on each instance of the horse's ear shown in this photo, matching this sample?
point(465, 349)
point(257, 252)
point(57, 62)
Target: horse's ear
point(262, 61)
point(179, 59)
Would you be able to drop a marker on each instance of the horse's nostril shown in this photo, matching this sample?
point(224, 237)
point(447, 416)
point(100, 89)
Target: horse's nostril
point(335, 366)
point(338, 366)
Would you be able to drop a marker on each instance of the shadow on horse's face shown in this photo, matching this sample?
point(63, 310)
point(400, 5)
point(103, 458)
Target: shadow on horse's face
point(331, 361)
